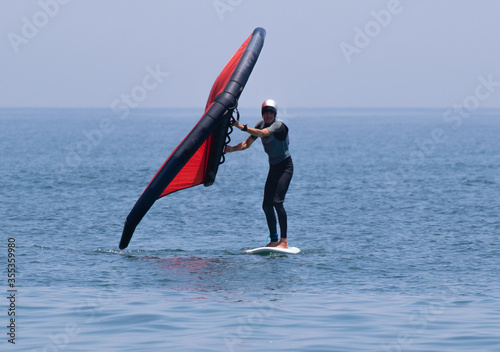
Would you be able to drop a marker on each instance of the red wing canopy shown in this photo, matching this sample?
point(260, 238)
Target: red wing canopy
point(196, 158)
point(194, 172)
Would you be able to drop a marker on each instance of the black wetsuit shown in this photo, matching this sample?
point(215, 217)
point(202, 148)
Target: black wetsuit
point(279, 176)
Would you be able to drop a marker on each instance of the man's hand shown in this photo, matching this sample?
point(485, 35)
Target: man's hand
point(237, 124)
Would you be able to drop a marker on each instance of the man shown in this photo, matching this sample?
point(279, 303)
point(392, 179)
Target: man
point(274, 136)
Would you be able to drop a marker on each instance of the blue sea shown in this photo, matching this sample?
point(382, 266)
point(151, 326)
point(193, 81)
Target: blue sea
point(396, 212)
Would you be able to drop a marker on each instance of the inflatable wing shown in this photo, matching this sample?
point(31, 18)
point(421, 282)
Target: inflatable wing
point(196, 159)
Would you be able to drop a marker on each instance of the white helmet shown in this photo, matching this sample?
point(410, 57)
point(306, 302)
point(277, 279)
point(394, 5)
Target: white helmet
point(270, 105)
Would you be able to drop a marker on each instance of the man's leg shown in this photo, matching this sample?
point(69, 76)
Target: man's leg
point(267, 206)
point(279, 198)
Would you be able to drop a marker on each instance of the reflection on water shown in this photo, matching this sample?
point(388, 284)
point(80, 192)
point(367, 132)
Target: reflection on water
point(189, 273)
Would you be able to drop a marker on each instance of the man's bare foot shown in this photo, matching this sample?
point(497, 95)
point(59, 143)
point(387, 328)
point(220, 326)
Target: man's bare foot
point(283, 243)
point(272, 244)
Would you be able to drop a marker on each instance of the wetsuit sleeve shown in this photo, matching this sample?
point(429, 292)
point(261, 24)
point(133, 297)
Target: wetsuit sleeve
point(279, 130)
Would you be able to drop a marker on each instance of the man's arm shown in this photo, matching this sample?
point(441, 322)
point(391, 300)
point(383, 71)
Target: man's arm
point(253, 131)
point(242, 146)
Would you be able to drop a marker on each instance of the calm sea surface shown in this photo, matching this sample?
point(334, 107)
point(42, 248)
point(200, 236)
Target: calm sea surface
point(396, 213)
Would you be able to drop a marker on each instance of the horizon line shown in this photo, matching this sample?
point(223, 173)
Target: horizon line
point(247, 108)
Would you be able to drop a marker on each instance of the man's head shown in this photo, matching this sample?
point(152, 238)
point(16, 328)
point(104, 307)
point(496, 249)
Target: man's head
point(269, 110)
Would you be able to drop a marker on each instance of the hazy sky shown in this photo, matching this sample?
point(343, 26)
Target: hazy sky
point(324, 53)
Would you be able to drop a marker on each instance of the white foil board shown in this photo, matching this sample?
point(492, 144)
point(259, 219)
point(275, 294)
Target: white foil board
point(267, 250)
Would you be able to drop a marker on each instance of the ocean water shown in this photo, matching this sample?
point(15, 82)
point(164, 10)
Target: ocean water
point(396, 213)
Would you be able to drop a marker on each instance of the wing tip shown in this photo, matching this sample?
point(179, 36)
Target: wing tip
point(128, 231)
